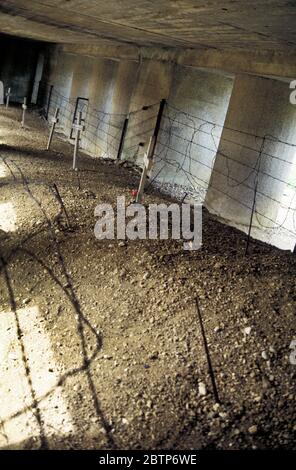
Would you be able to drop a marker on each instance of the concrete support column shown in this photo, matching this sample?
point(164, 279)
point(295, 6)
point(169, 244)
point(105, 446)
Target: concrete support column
point(82, 71)
point(259, 119)
point(61, 78)
point(153, 84)
point(98, 135)
point(188, 138)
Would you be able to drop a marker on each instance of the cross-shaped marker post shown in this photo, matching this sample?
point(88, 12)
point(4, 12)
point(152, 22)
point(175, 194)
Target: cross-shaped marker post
point(24, 106)
point(8, 93)
point(78, 127)
point(54, 121)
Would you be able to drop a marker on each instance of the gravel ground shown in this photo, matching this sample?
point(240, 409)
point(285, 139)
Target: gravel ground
point(101, 345)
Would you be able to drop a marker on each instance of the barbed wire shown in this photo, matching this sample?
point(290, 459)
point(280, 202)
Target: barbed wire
point(192, 154)
point(186, 161)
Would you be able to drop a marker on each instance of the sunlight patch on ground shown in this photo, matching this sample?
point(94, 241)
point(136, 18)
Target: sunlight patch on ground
point(15, 393)
point(7, 217)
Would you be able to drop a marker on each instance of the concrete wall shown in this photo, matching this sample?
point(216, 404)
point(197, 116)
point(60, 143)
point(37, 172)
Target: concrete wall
point(106, 84)
point(258, 107)
point(117, 88)
point(153, 82)
point(195, 147)
point(189, 140)
point(18, 65)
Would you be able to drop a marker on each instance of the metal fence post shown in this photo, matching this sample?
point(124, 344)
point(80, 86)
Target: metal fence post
point(123, 134)
point(54, 121)
point(79, 128)
point(148, 157)
point(24, 106)
point(8, 96)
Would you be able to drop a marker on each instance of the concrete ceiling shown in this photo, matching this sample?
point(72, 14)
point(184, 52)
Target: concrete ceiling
point(253, 25)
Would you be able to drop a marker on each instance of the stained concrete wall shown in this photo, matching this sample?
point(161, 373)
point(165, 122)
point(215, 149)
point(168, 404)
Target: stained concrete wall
point(115, 89)
point(258, 118)
point(195, 146)
point(153, 83)
point(18, 65)
point(189, 139)
point(106, 84)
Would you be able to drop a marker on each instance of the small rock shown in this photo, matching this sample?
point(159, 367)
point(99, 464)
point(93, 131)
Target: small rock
point(247, 330)
point(264, 355)
point(153, 356)
point(202, 391)
point(253, 429)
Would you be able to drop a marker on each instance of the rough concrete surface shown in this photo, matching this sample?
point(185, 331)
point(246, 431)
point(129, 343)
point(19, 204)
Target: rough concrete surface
point(254, 36)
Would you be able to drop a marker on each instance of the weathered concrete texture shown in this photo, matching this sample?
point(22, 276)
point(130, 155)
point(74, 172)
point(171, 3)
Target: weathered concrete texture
point(256, 61)
point(189, 140)
point(192, 132)
point(106, 84)
point(82, 70)
point(185, 23)
point(62, 72)
point(153, 82)
point(258, 107)
point(99, 135)
point(18, 66)
point(118, 88)
point(254, 37)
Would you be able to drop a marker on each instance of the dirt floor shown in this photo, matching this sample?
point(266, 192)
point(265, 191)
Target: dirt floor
point(100, 341)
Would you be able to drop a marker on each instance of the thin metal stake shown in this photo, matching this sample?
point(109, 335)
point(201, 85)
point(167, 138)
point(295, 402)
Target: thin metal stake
point(251, 219)
point(148, 157)
point(79, 128)
point(8, 96)
point(24, 106)
point(54, 121)
point(123, 133)
point(211, 371)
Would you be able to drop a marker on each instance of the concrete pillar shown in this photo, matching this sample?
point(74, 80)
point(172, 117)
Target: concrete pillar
point(125, 79)
point(62, 74)
point(197, 98)
point(61, 77)
point(82, 71)
point(259, 116)
point(123, 87)
point(153, 84)
point(99, 140)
